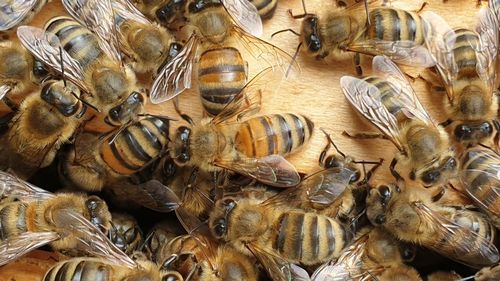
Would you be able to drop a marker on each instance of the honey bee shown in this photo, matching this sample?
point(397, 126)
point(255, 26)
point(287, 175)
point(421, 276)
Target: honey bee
point(276, 234)
point(92, 62)
point(218, 25)
point(489, 273)
point(388, 101)
point(169, 13)
point(16, 12)
point(374, 255)
point(453, 231)
point(158, 237)
point(145, 45)
point(481, 180)
point(395, 33)
point(444, 276)
point(466, 61)
point(46, 119)
point(37, 217)
point(96, 161)
point(125, 232)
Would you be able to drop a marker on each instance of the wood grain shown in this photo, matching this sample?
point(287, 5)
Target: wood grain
point(315, 93)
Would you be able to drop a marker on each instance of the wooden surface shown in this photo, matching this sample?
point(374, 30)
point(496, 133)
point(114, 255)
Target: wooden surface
point(315, 93)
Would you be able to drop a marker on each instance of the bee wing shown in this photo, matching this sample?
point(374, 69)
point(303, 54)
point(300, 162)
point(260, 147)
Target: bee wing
point(12, 186)
point(90, 238)
point(13, 12)
point(128, 11)
point(494, 5)
point(471, 249)
point(4, 90)
point(47, 48)
point(245, 15)
point(273, 170)
point(175, 76)
point(276, 267)
point(412, 108)
point(486, 52)
point(403, 52)
point(266, 52)
point(97, 16)
point(19, 245)
point(325, 186)
point(366, 99)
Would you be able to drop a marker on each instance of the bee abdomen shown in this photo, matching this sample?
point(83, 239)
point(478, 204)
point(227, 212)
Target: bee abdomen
point(273, 134)
point(266, 8)
point(465, 55)
point(309, 238)
point(12, 220)
point(395, 25)
point(78, 270)
point(221, 76)
point(135, 146)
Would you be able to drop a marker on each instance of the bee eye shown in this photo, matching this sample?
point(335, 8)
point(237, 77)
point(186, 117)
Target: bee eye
point(332, 162)
point(220, 228)
point(314, 43)
point(91, 204)
point(114, 113)
point(431, 177)
point(451, 164)
point(408, 252)
point(486, 129)
point(380, 219)
point(463, 132)
point(355, 177)
point(385, 194)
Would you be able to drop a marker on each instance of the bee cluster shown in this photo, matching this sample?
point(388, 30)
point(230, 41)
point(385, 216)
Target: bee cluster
point(157, 198)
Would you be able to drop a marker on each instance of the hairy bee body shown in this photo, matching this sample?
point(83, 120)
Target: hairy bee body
point(87, 269)
point(391, 24)
point(6, 16)
point(112, 86)
point(211, 19)
point(18, 217)
point(266, 8)
point(125, 232)
point(221, 76)
point(46, 120)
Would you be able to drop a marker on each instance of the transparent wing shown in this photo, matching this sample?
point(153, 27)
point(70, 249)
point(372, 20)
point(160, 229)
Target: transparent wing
point(272, 170)
point(495, 7)
point(486, 52)
point(12, 186)
point(47, 48)
point(13, 12)
point(175, 76)
point(276, 267)
point(366, 99)
point(403, 52)
point(4, 90)
point(19, 245)
point(382, 66)
point(466, 246)
point(267, 53)
point(127, 10)
point(245, 15)
point(90, 238)
point(440, 40)
point(325, 186)
point(97, 16)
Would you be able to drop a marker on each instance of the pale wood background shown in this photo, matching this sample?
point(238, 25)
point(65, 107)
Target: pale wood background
point(315, 93)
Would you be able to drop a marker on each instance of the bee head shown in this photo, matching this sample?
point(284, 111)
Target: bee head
point(127, 110)
point(377, 202)
point(181, 150)
point(169, 12)
point(99, 213)
point(441, 169)
point(472, 133)
point(61, 97)
point(219, 219)
point(310, 33)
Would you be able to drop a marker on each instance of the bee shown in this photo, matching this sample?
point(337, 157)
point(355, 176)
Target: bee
point(396, 33)
point(145, 45)
point(158, 237)
point(37, 217)
point(218, 26)
point(96, 69)
point(374, 255)
point(453, 231)
point(389, 102)
point(125, 232)
point(169, 13)
point(466, 61)
point(444, 276)
point(489, 273)
point(479, 175)
point(95, 161)
point(46, 119)
point(276, 234)
point(16, 12)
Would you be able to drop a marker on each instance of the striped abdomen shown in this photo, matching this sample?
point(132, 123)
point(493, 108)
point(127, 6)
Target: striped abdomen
point(12, 219)
point(221, 76)
point(309, 238)
point(80, 269)
point(481, 177)
point(265, 8)
point(395, 25)
point(389, 97)
point(135, 146)
point(273, 134)
point(464, 53)
point(79, 42)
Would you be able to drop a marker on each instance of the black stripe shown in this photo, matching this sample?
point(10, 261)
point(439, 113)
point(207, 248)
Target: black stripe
point(286, 133)
point(379, 27)
point(270, 135)
point(251, 137)
point(259, 4)
point(118, 157)
point(222, 95)
point(78, 272)
point(53, 24)
point(21, 219)
point(282, 233)
point(160, 124)
point(135, 147)
point(221, 68)
point(412, 27)
point(299, 127)
point(61, 273)
point(396, 27)
point(309, 123)
point(330, 237)
point(150, 137)
point(299, 223)
point(101, 273)
point(315, 236)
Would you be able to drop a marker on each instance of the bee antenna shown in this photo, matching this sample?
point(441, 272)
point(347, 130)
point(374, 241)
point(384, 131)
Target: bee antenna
point(285, 30)
point(467, 278)
point(62, 65)
point(329, 138)
point(84, 102)
point(294, 58)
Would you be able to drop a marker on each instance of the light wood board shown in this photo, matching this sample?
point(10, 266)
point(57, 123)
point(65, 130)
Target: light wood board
point(315, 93)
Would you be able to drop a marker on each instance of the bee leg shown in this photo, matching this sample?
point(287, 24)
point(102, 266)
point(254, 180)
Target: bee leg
point(12, 105)
point(496, 139)
point(436, 88)
point(365, 135)
point(446, 123)
point(438, 195)
point(421, 7)
point(394, 173)
point(372, 171)
point(357, 64)
point(182, 114)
